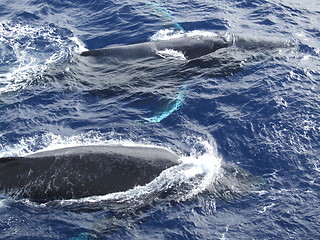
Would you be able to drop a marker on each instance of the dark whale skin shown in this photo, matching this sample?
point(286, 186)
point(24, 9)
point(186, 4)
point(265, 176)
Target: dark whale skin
point(76, 172)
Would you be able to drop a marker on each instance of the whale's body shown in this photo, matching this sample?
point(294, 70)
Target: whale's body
point(191, 47)
point(78, 172)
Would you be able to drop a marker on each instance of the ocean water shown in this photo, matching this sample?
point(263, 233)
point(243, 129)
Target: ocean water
point(244, 120)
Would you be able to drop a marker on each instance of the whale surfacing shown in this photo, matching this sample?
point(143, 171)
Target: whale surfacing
point(191, 47)
point(77, 172)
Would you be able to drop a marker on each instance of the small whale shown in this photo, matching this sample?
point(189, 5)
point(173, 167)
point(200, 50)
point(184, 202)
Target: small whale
point(83, 171)
point(225, 54)
point(191, 47)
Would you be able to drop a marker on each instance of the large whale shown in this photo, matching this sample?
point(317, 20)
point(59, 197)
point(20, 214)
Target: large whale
point(77, 172)
point(191, 47)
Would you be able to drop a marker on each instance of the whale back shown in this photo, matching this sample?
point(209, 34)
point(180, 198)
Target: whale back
point(78, 172)
point(191, 47)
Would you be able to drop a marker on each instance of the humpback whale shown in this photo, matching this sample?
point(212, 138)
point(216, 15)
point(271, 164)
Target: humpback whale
point(76, 172)
point(191, 47)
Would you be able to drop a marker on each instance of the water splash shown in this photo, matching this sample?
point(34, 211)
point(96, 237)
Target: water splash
point(171, 54)
point(167, 34)
point(27, 51)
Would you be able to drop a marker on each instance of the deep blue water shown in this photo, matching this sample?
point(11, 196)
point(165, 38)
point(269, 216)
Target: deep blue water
point(255, 110)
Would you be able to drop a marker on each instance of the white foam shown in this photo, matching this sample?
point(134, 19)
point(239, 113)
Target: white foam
point(80, 46)
point(265, 208)
point(171, 54)
point(2, 204)
point(28, 50)
point(166, 34)
point(51, 141)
